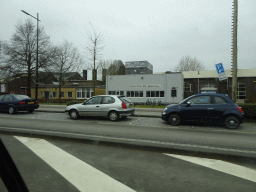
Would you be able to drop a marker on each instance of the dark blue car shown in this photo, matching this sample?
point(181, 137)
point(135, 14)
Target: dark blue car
point(12, 103)
point(205, 107)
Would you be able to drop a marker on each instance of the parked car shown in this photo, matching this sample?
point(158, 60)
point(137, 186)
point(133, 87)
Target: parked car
point(13, 102)
point(111, 106)
point(211, 107)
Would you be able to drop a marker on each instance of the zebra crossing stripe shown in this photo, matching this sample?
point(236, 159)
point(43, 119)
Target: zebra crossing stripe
point(83, 176)
point(222, 166)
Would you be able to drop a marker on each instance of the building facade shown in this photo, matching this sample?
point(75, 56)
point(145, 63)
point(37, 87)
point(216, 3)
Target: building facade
point(138, 67)
point(200, 81)
point(156, 88)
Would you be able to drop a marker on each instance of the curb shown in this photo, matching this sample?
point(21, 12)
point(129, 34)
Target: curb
point(151, 116)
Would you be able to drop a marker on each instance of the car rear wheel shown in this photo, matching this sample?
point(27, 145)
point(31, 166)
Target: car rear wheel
point(11, 110)
point(174, 119)
point(113, 116)
point(74, 114)
point(232, 122)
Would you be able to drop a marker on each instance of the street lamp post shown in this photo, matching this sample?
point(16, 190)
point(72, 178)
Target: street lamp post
point(37, 18)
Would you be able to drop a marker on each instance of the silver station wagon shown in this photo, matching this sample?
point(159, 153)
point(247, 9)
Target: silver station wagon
point(111, 106)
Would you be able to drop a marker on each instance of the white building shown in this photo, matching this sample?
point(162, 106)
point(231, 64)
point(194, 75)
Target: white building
point(164, 88)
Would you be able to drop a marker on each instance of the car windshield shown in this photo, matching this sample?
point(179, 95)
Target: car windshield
point(186, 99)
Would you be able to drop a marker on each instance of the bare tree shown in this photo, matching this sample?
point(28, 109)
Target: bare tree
point(67, 59)
point(20, 53)
point(188, 63)
point(116, 68)
point(94, 50)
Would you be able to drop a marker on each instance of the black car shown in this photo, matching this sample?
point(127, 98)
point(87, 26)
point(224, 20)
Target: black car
point(12, 103)
point(202, 107)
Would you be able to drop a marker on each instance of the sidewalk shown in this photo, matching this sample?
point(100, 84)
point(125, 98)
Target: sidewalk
point(139, 112)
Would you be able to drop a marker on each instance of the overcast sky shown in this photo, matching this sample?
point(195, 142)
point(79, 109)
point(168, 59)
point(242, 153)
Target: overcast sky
point(159, 31)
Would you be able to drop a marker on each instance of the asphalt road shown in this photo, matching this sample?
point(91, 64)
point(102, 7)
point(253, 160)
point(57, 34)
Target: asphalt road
point(57, 164)
point(137, 131)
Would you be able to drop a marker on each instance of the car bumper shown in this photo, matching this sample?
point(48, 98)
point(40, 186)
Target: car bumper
point(126, 112)
point(242, 118)
point(164, 116)
point(26, 107)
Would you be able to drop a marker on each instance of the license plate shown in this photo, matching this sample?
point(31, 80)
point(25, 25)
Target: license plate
point(30, 102)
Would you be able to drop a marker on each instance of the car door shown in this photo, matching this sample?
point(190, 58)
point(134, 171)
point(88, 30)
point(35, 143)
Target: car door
point(1, 102)
point(197, 110)
point(5, 102)
point(106, 104)
point(218, 107)
point(91, 107)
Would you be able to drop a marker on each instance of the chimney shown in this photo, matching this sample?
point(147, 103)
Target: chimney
point(84, 74)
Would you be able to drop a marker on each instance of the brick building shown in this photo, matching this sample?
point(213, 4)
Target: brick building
point(198, 81)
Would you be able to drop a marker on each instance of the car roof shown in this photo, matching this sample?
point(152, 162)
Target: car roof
point(209, 93)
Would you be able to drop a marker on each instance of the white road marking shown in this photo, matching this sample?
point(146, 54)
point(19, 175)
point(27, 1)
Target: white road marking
point(83, 176)
point(222, 166)
point(136, 120)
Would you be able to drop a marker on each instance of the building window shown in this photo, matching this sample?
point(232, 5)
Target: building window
point(70, 94)
point(173, 93)
point(78, 94)
point(241, 93)
point(112, 92)
point(54, 94)
point(187, 87)
point(208, 84)
point(154, 93)
point(134, 94)
point(62, 94)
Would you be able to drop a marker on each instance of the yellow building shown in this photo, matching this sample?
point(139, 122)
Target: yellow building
point(67, 93)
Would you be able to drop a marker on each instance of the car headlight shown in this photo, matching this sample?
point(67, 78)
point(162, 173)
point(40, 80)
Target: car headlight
point(165, 109)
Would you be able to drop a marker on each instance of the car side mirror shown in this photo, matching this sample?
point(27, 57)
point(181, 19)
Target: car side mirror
point(188, 103)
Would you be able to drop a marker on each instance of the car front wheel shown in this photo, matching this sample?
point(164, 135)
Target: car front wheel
point(174, 119)
point(11, 110)
point(232, 122)
point(113, 116)
point(74, 114)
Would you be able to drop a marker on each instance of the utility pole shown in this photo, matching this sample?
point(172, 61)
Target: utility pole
point(234, 50)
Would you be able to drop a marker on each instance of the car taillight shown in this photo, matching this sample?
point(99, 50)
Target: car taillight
point(240, 109)
point(124, 106)
point(22, 103)
point(36, 102)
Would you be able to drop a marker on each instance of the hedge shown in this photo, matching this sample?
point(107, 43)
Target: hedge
point(74, 102)
point(249, 110)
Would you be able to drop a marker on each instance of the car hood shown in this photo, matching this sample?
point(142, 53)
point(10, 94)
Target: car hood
point(172, 105)
point(74, 105)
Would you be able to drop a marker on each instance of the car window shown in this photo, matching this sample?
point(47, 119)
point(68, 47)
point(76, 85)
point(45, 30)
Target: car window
point(124, 99)
point(94, 100)
point(1, 97)
point(200, 100)
point(108, 100)
point(219, 100)
point(8, 98)
point(21, 97)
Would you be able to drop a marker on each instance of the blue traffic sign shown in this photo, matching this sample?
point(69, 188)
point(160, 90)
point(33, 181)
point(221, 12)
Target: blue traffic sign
point(220, 68)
